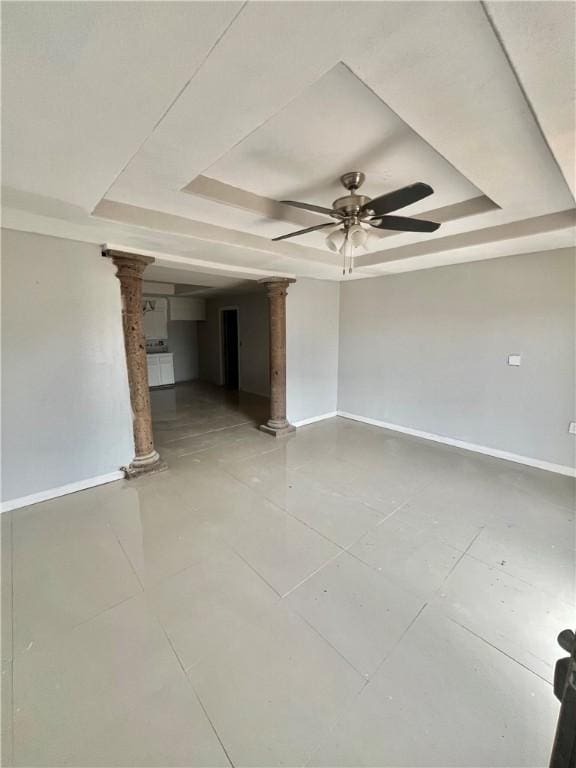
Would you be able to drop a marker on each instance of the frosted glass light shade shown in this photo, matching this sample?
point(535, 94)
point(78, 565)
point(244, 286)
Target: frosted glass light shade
point(335, 240)
point(357, 235)
point(371, 239)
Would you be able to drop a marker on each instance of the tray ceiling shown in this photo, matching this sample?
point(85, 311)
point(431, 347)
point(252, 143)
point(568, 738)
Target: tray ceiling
point(176, 127)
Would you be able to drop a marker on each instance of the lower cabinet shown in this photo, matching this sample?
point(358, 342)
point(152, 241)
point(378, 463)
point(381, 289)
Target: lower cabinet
point(160, 369)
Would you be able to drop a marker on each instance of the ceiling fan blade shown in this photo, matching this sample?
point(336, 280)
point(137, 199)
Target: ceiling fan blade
point(308, 207)
point(404, 224)
point(304, 231)
point(392, 201)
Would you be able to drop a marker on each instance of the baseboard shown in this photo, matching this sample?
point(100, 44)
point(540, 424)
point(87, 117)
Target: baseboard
point(495, 452)
point(62, 490)
point(322, 416)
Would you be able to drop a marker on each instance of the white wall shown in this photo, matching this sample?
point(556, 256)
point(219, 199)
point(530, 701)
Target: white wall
point(428, 350)
point(183, 343)
point(254, 341)
point(312, 317)
point(66, 414)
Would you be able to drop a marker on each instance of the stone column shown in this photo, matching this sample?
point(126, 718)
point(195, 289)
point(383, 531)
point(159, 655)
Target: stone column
point(129, 269)
point(277, 424)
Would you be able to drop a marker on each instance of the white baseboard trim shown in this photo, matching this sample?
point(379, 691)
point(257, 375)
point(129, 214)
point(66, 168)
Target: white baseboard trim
point(62, 490)
point(560, 469)
point(303, 422)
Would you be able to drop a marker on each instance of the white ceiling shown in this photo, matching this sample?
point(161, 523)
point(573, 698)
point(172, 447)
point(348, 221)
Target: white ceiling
point(111, 109)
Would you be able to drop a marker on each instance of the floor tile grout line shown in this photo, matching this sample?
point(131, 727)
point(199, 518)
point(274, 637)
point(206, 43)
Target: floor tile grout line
point(367, 682)
point(462, 556)
point(65, 631)
point(103, 611)
point(203, 434)
point(500, 569)
point(436, 592)
point(320, 533)
point(399, 640)
point(207, 448)
point(223, 462)
point(310, 575)
point(130, 563)
point(362, 676)
point(190, 684)
point(286, 512)
point(244, 560)
point(499, 650)
point(214, 729)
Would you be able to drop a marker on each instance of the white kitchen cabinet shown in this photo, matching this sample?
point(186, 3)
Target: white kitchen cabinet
point(160, 369)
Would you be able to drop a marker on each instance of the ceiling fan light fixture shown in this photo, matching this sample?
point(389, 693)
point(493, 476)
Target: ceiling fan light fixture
point(358, 214)
point(357, 235)
point(335, 240)
point(370, 240)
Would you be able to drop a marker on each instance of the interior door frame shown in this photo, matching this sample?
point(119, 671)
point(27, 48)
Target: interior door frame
point(221, 311)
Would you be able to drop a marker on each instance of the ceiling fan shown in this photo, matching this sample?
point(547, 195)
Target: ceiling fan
point(354, 210)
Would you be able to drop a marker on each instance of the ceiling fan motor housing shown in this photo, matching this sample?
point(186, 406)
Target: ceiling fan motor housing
point(351, 205)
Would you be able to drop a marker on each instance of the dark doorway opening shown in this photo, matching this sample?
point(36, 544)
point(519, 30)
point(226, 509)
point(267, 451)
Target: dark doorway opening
point(230, 371)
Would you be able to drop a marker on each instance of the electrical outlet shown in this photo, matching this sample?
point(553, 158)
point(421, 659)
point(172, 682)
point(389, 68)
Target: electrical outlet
point(572, 428)
point(514, 359)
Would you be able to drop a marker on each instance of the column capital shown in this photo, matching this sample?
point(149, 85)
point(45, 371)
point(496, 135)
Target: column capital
point(277, 286)
point(128, 264)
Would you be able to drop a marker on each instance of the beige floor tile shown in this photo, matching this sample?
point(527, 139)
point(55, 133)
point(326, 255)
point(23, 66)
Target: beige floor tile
point(68, 566)
point(357, 610)
point(445, 699)
point(533, 520)
point(205, 605)
point(280, 548)
point(196, 558)
point(274, 691)
point(340, 518)
point(449, 513)
point(384, 485)
point(411, 557)
point(515, 617)
point(544, 486)
point(111, 692)
point(546, 566)
point(160, 532)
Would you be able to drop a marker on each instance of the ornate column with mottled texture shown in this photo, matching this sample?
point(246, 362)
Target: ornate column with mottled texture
point(277, 424)
point(129, 270)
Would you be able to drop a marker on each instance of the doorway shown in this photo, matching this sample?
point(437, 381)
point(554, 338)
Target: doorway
point(230, 356)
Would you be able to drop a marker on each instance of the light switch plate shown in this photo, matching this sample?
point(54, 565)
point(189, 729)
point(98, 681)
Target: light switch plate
point(514, 359)
point(572, 428)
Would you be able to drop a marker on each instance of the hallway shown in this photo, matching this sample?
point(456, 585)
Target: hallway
point(344, 596)
point(197, 415)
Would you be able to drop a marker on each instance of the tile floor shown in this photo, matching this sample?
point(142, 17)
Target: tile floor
point(345, 597)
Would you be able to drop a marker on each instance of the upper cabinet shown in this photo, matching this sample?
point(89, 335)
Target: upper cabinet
point(159, 310)
point(155, 317)
point(187, 309)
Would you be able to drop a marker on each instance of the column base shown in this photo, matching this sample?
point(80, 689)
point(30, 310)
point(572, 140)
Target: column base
point(145, 465)
point(277, 431)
